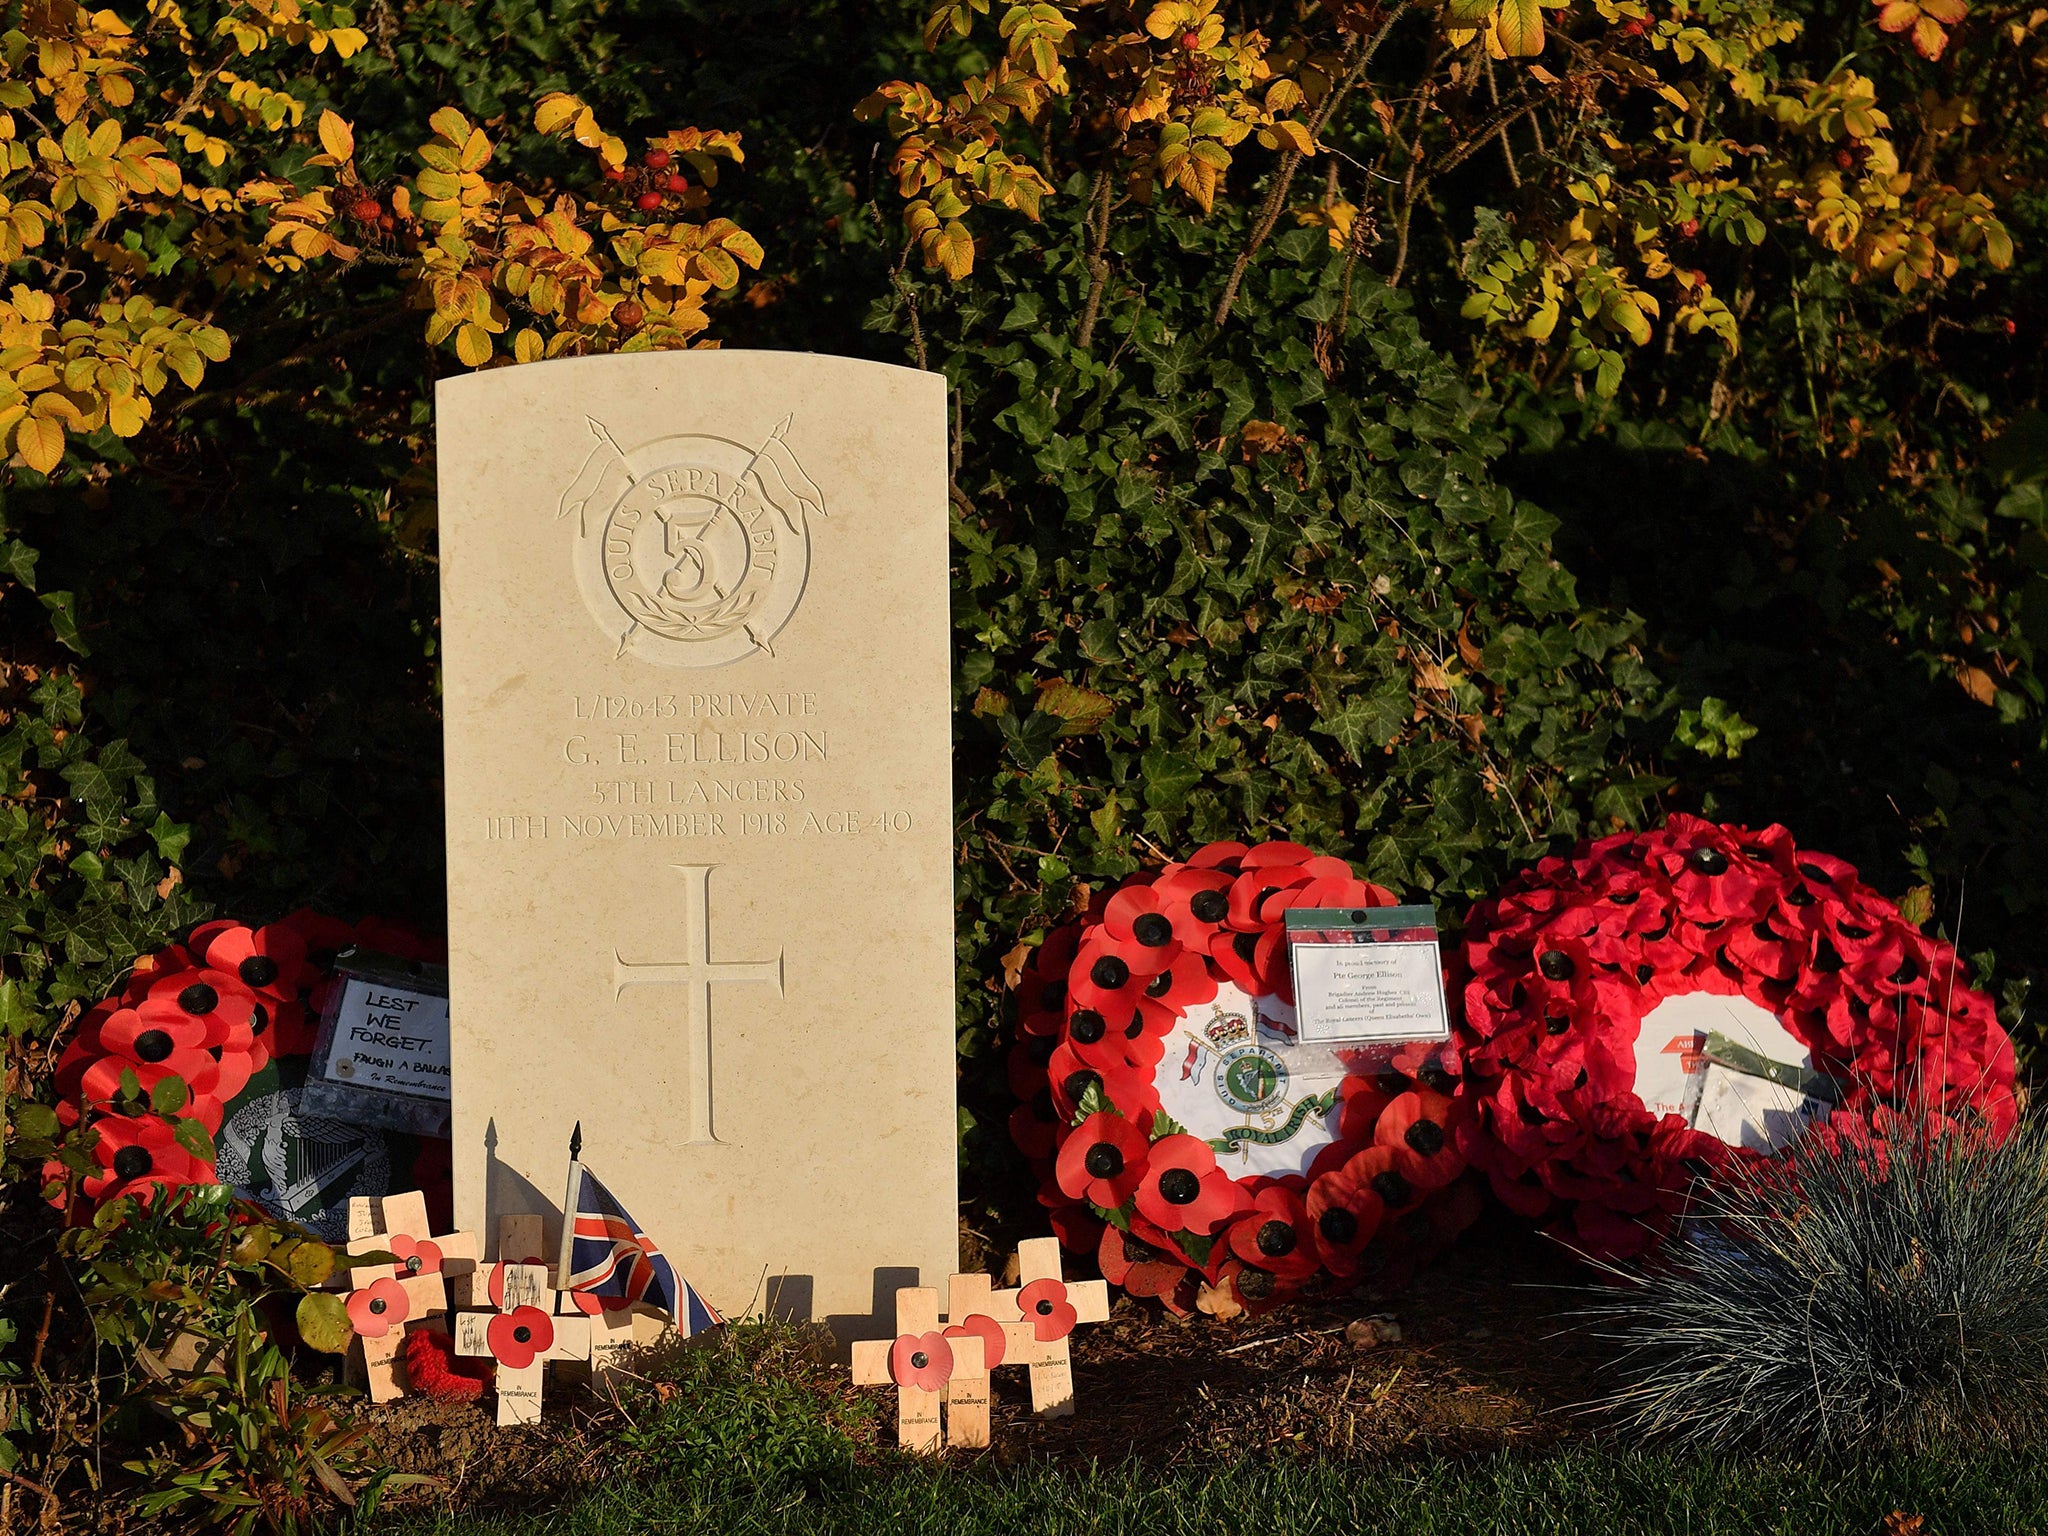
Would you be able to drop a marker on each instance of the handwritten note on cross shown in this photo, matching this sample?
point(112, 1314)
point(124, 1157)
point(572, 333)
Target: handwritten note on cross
point(697, 974)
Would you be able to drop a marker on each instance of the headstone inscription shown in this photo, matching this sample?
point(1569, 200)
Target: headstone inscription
point(698, 742)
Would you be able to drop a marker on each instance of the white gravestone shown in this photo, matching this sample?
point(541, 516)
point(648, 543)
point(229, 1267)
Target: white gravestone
point(695, 630)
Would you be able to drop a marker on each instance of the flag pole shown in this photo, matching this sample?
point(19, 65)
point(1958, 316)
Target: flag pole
point(569, 1207)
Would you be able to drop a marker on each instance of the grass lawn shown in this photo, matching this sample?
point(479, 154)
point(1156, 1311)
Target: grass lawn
point(1268, 1429)
point(1569, 1491)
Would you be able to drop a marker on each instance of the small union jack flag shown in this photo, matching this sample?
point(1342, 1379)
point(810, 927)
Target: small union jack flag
point(610, 1256)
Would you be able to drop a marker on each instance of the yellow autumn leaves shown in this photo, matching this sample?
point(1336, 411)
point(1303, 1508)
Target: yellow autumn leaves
point(1187, 93)
point(502, 271)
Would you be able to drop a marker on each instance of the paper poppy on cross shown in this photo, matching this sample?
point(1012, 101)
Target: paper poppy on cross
point(920, 1360)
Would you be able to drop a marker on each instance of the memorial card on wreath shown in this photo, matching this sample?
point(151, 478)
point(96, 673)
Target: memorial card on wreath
point(698, 733)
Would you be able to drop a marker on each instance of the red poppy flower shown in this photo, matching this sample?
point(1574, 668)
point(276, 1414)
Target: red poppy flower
point(1076, 1226)
point(1127, 1086)
point(1183, 1190)
point(416, 1256)
point(1035, 1125)
point(1197, 902)
point(1265, 855)
point(1560, 970)
point(1344, 1212)
point(1103, 1162)
point(1256, 961)
point(155, 1046)
point(1042, 984)
point(1044, 1305)
point(139, 1155)
point(1275, 1235)
point(1099, 1040)
point(1423, 1123)
point(217, 1000)
point(1389, 1173)
point(988, 1330)
point(1252, 892)
point(1138, 915)
point(1109, 974)
point(516, 1337)
point(1140, 1267)
point(921, 1360)
point(270, 961)
point(101, 1082)
point(293, 1031)
point(378, 1307)
point(1225, 856)
point(1256, 1290)
point(1186, 983)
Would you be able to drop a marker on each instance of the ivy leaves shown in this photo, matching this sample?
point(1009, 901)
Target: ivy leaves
point(1240, 583)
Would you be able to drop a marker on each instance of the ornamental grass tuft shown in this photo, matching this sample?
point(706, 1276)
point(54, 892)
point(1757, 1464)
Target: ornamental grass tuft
point(1881, 1291)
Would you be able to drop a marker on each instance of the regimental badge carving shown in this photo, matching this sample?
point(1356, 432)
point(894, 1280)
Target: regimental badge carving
point(692, 550)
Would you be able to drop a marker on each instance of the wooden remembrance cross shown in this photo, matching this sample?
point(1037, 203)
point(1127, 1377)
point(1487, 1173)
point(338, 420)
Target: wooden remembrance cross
point(697, 973)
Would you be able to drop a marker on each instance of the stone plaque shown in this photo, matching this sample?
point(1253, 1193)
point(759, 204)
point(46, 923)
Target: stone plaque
point(695, 630)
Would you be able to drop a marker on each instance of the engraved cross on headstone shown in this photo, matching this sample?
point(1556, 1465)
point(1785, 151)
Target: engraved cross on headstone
point(697, 973)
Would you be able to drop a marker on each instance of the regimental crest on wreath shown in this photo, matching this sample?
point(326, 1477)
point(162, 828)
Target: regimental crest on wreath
point(692, 550)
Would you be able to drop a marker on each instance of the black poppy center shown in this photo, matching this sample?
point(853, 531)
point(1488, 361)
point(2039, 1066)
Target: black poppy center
point(1531, 1115)
point(523, 1334)
point(1247, 947)
point(919, 1359)
point(1179, 1186)
point(1426, 1137)
point(1152, 929)
point(1625, 898)
point(1276, 1239)
point(378, 1306)
point(1159, 985)
point(412, 1265)
point(1555, 965)
point(1708, 861)
point(1104, 1161)
point(1078, 1084)
point(133, 1162)
point(1088, 1026)
point(152, 1046)
point(258, 970)
point(1392, 1188)
point(1798, 896)
point(1044, 1306)
point(1209, 906)
point(1135, 1028)
point(1338, 1224)
point(1435, 1078)
point(259, 1020)
point(1556, 1023)
point(199, 998)
point(1109, 973)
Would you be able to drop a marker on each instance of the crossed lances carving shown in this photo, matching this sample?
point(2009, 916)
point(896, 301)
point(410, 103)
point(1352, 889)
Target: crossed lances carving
point(934, 1367)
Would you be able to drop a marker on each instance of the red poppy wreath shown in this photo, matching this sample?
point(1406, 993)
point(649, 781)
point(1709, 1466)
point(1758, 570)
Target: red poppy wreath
point(212, 1011)
point(1179, 1127)
point(1639, 1013)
